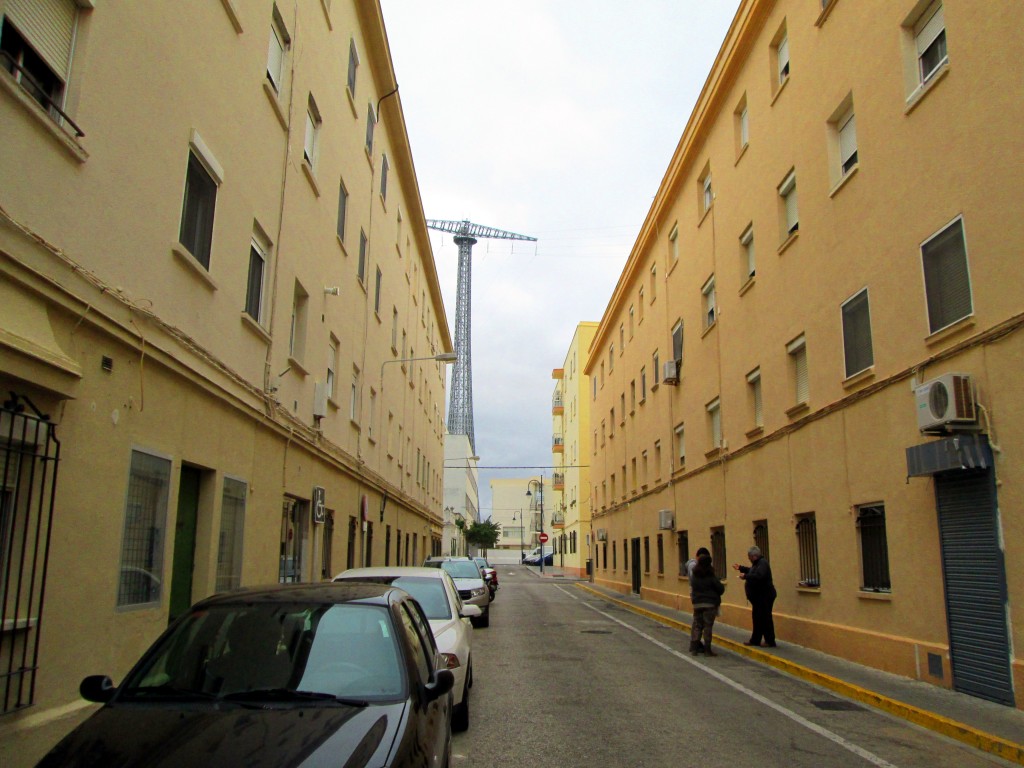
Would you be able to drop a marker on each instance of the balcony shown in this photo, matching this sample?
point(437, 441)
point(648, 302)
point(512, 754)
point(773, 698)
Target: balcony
point(558, 373)
point(557, 444)
point(558, 481)
point(558, 520)
point(557, 409)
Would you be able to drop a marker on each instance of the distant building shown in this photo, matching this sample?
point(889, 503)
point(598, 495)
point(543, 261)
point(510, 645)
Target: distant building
point(461, 494)
point(822, 316)
point(520, 515)
point(219, 311)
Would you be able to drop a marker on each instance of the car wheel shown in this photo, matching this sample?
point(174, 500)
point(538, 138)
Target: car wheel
point(460, 714)
point(485, 620)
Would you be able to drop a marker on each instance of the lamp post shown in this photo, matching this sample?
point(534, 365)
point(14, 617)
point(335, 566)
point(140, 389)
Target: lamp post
point(522, 534)
point(540, 507)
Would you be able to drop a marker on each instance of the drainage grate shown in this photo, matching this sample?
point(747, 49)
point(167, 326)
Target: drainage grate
point(836, 705)
point(595, 631)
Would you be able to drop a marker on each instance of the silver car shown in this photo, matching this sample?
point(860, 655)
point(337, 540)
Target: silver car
point(470, 583)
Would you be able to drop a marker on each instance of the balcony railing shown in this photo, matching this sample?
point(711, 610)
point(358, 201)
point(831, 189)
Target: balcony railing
point(558, 520)
point(558, 481)
point(556, 405)
point(37, 92)
point(557, 444)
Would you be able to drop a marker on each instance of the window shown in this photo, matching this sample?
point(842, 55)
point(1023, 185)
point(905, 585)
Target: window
point(384, 177)
point(647, 555)
point(631, 318)
point(143, 538)
point(353, 403)
point(622, 408)
point(625, 556)
point(654, 283)
point(657, 459)
point(787, 194)
point(707, 195)
point(657, 372)
point(857, 348)
point(677, 345)
point(847, 126)
point(874, 550)
point(714, 409)
point(632, 396)
point(615, 555)
point(254, 285)
point(229, 540)
point(371, 123)
point(394, 329)
point(611, 358)
point(682, 550)
point(807, 547)
point(780, 56)
point(37, 44)
point(376, 292)
point(661, 554)
point(622, 338)
point(680, 436)
point(930, 40)
point(310, 146)
point(718, 554)
point(708, 292)
point(353, 65)
point(754, 389)
point(947, 282)
point(361, 265)
point(797, 350)
point(673, 249)
point(332, 365)
point(342, 210)
point(297, 337)
point(594, 383)
point(747, 252)
point(640, 303)
point(278, 50)
point(741, 118)
point(196, 232)
point(761, 538)
point(643, 384)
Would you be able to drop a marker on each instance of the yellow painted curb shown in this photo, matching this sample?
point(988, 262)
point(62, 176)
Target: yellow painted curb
point(986, 742)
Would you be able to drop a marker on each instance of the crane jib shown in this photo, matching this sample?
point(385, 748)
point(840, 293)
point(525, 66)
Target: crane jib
point(468, 229)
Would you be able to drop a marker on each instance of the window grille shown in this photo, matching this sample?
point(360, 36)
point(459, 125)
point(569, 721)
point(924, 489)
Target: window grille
point(807, 545)
point(683, 550)
point(142, 544)
point(874, 548)
point(718, 553)
point(647, 555)
point(232, 528)
point(761, 538)
point(661, 554)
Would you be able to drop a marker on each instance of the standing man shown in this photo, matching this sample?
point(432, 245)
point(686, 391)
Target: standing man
point(761, 594)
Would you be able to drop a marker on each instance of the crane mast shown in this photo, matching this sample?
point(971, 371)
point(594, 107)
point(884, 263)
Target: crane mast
point(460, 404)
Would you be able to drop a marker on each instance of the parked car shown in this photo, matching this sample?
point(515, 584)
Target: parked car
point(338, 674)
point(534, 559)
point(449, 620)
point(490, 575)
point(470, 582)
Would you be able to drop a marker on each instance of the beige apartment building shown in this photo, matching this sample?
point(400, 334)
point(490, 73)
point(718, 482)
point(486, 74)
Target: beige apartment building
point(821, 320)
point(519, 515)
point(219, 322)
point(570, 452)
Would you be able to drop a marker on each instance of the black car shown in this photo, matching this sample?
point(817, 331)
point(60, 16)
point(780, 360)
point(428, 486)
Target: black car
point(317, 675)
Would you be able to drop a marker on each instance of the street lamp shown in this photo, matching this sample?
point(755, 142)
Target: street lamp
point(540, 506)
point(444, 357)
point(522, 534)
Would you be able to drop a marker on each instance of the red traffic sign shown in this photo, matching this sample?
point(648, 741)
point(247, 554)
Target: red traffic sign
point(543, 538)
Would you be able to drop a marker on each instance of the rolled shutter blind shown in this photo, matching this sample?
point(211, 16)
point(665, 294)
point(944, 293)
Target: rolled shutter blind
point(48, 26)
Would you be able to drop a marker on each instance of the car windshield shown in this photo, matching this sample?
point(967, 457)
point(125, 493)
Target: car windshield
point(461, 569)
point(295, 652)
point(429, 593)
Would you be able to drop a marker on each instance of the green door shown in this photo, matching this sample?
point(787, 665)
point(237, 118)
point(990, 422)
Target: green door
point(184, 542)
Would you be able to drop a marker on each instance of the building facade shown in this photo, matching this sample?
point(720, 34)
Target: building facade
point(520, 515)
point(219, 318)
point(461, 493)
point(821, 325)
point(570, 446)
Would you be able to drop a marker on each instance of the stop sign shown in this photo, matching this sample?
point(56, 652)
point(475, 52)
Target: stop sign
point(543, 538)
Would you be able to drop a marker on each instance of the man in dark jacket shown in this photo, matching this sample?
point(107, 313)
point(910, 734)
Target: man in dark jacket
point(761, 594)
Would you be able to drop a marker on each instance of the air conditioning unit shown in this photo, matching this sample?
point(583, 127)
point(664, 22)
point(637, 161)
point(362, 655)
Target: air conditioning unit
point(670, 372)
point(319, 400)
point(602, 534)
point(945, 403)
point(666, 520)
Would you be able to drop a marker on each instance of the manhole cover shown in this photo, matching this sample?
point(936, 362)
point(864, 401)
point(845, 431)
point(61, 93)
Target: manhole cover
point(595, 632)
point(835, 705)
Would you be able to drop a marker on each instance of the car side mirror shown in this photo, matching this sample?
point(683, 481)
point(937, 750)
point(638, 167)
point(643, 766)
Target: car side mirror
point(469, 611)
point(97, 688)
point(444, 681)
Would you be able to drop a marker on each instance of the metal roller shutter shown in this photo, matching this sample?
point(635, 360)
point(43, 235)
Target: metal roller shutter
point(49, 26)
point(975, 580)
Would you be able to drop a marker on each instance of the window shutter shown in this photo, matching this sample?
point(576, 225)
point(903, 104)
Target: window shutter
point(947, 282)
point(49, 25)
point(783, 55)
point(929, 28)
point(275, 57)
point(791, 213)
point(847, 139)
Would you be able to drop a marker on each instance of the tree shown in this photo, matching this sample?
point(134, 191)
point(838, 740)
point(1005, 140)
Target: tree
point(483, 534)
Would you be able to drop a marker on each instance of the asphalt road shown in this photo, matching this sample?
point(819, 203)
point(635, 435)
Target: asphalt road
point(565, 679)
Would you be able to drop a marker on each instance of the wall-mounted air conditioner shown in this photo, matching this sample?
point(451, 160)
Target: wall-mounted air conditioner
point(319, 400)
point(945, 403)
point(666, 520)
point(670, 372)
point(602, 534)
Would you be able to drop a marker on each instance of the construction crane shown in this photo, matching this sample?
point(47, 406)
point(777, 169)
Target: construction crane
point(460, 404)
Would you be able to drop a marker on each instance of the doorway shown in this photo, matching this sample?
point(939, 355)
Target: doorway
point(634, 556)
point(183, 564)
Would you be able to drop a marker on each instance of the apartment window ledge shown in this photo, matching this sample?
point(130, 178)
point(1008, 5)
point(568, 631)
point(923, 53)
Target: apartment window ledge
point(363, 288)
point(254, 327)
point(708, 330)
point(333, 404)
point(950, 330)
point(743, 151)
point(232, 12)
point(859, 378)
point(714, 453)
point(327, 14)
point(297, 367)
point(19, 625)
point(842, 182)
point(184, 257)
point(352, 102)
point(680, 469)
point(704, 215)
point(369, 157)
point(781, 88)
point(755, 432)
point(307, 171)
point(798, 410)
point(806, 590)
point(884, 597)
point(36, 111)
point(671, 268)
point(355, 425)
point(924, 89)
point(341, 244)
point(825, 12)
point(788, 242)
point(275, 103)
point(747, 285)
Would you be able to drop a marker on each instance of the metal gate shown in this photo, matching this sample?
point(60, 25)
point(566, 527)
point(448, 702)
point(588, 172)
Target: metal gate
point(29, 454)
point(975, 581)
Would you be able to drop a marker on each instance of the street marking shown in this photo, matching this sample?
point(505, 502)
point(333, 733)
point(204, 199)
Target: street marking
point(800, 720)
point(566, 592)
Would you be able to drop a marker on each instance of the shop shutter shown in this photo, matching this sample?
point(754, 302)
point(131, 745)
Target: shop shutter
point(49, 26)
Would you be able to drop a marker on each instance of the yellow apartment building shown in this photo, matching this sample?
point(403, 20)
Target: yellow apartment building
point(570, 446)
point(219, 322)
point(823, 312)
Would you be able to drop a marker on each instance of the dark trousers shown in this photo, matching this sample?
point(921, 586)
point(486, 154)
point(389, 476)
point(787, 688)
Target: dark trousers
point(764, 624)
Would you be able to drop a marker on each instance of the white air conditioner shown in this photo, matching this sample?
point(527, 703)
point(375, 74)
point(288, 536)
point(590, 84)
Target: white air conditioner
point(319, 400)
point(945, 403)
point(666, 520)
point(670, 372)
point(602, 534)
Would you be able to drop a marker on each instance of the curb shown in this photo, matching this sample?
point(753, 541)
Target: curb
point(980, 740)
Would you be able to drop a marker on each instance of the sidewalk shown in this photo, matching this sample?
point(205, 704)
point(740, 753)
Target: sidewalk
point(992, 728)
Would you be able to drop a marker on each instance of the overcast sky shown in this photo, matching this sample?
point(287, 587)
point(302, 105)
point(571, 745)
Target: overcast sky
point(555, 119)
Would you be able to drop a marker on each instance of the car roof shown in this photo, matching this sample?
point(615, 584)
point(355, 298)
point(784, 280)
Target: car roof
point(396, 571)
point(329, 592)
